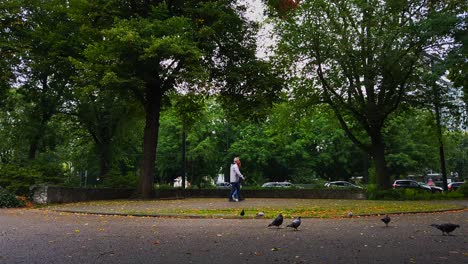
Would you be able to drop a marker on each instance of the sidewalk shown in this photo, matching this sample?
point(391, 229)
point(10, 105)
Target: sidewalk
point(42, 236)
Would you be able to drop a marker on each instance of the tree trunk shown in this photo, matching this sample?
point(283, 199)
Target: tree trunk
point(45, 116)
point(33, 146)
point(184, 158)
point(443, 166)
point(378, 155)
point(103, 161)
point(38, 136)
point(365, 165)
point(150, 141)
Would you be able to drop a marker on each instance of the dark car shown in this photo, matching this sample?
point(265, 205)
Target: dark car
point(453, 186)
point(341, 184)
point(399, 184)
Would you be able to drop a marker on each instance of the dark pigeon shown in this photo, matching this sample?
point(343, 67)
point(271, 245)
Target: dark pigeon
point(295, 223)
point(386, 220)
point(446, 228)
point(242, 213)
point(278, 221)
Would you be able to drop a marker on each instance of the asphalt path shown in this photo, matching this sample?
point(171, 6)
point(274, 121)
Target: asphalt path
point(43, 236)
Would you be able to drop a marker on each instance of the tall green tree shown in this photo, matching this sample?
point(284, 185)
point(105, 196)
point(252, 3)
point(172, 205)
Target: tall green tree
point(437, 97)
point(359, 56)
point(11, 24)
point(104, 115)
point(411, 143)
point(44, 41)
point(151, 47)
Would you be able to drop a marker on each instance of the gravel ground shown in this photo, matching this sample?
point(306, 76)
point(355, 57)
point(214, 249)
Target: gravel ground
point(43, 236)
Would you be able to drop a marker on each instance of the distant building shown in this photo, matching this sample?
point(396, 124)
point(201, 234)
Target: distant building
point(178, 182)
point(220, 178)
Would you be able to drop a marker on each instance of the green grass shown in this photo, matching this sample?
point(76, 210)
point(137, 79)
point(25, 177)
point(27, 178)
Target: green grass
point(220, 208)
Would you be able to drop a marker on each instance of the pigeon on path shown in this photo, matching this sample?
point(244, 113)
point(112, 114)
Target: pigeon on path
point(446, 228)
point(242, 213)
point(386, 220)
point(277, 222)
point(295, 223)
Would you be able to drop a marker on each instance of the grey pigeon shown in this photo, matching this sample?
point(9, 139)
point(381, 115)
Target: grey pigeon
point(386, 220)
point(260, 214)
point(295, 223)
point(446, 228)
point(242, 213)
point(350, 214)
point(278, 221)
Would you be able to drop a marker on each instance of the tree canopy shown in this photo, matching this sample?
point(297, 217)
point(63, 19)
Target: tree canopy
point(361, 56)
point(131, 93)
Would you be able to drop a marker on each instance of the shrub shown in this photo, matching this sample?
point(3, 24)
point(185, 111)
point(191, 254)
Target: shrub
point(454, 195)
point(17, 178)
point(117, 180)
point(374, 193)
point(8, 199)
point(165, 186)
point(463, 189)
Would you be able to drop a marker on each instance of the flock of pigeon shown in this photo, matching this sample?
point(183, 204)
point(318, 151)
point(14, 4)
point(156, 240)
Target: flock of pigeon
point(446, 228)
point(279, 221)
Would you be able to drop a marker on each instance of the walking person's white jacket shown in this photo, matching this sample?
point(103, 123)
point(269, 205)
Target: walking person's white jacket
point(235, 173)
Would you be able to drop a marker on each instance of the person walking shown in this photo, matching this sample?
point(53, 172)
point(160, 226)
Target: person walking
point(235, 179)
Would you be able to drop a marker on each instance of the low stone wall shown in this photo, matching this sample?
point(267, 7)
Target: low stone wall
point(267, 193)
point(50, 194)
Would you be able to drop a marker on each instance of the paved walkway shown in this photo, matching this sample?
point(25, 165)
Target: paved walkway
point(44, 236)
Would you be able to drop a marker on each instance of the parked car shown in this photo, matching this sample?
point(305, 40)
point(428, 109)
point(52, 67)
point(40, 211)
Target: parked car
point(341, 184)
point(223, 185)
point(453, 186)
point(410, 184)
point(432, 187)
point(280, 185)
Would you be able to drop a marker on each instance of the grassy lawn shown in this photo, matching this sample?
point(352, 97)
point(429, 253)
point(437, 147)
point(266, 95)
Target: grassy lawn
point(220, 208)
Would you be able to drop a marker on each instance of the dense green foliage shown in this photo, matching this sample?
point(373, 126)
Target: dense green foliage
point(8, 199)
point(364, 59)
point(374, 193)
point(101, 93)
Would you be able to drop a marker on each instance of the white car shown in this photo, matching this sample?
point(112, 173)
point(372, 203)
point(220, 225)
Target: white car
point(280, 185)
point(341, 184)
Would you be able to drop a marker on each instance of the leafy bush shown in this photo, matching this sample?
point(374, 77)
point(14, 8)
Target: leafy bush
point(373, 193)
point(463, 190)
point(18, 178)
point(165, 186)
point(117, 180)
point(454, 195)
point(8, 199)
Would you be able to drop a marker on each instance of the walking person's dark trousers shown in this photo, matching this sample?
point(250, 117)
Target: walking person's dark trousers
point(235, 191)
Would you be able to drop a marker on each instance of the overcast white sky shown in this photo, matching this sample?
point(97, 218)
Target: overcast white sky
point(255, 11)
